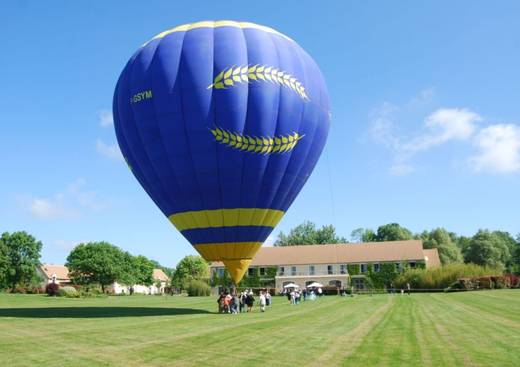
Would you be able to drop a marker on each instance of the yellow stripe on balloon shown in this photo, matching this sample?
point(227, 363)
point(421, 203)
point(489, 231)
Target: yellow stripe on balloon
point(226, 218)
point(216, 24)
point(228, 250)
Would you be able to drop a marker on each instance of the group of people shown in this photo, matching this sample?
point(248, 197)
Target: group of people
point(295, 296)
point(234, 303)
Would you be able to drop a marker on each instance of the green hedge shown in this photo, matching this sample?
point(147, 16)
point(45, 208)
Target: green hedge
point(442, 277)
point(198, 288)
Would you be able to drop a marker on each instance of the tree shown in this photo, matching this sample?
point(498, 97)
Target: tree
point(392, 232)
point(511, 244)
point(143, 270)
point(307, 234)
point(22, 256)
point(363, 235)
point(516, 256)
point(189, 268)
point(488, 249)
point(442, 240)
point(4, 265)
point(99, 262)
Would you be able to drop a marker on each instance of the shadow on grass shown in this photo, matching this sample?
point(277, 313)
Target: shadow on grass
point(97, 312)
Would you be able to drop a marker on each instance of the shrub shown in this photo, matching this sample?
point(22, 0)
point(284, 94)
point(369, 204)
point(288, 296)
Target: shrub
point(514, 280)
point(52, 289)
point(68, 291)
point(35, 290)
point(445, 276)
point(197, 288)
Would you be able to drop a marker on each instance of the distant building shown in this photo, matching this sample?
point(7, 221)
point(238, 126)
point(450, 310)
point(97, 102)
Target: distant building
point(160, 279)
point(59, 274)
point(329, 264)
point(50, 273)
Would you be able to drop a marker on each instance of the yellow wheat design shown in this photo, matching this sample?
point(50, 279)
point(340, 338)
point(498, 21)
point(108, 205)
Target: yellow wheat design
point(254, 144)
point(256, 73)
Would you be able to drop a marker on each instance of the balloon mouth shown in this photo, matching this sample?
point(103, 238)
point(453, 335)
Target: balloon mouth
point(236, 256)
point(237, 268)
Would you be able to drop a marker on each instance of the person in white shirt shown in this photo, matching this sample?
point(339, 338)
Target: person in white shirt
point(262, 301)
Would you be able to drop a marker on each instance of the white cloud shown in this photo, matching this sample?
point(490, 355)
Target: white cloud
point(71, 203)
point(111, 151)
point(498, 149)
point(440, 127)
point(50, 208)
point(106, 118)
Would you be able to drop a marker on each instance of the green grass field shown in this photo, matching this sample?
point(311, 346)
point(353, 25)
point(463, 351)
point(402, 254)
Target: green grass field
point(464, 329)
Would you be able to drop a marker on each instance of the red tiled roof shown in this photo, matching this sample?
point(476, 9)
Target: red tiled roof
point(338, 253)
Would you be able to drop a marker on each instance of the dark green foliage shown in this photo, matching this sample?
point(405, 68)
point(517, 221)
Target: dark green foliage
point(101, 263)
point(386, 275)
point(353, 269)
point(387, 232)
point(363, 235)
point(189, 268)
point(4, 265)
point(488, 249)
point(198, 288)
point(143, 270)
point(224, 281)
point(393, 232)
point(19, 257)
point(442, 240)
point(307, 234)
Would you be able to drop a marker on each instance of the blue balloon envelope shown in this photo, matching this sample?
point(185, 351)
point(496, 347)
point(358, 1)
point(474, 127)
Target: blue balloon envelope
point(222, 124)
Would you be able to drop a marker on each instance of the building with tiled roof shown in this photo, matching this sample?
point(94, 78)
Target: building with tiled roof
point(329, 264)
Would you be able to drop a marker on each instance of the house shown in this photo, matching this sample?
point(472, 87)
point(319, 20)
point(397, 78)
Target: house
point(50, 273)
point(160, 279)
point(336, 265)
point(59, 274)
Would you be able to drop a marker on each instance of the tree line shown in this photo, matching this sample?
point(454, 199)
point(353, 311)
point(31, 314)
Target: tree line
point(495, 249)
point(92, 263)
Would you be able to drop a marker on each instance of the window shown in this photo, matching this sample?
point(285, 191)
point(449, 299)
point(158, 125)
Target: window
point(281, 270)
point(343, 269)
point(330, 270)
point(412, 265)
point(262, 271)
point(359, 283)
point(377, 267)
point(251, 272)
point(335, 283)
point(398, 266)
point(293, 270)
point(363, 268)
point(311, 270)
point(220, 272)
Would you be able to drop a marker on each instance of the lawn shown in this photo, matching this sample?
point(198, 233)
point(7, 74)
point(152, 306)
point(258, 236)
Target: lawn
point(464, 329)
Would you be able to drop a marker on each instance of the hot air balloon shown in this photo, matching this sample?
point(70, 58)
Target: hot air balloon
point(222, 123)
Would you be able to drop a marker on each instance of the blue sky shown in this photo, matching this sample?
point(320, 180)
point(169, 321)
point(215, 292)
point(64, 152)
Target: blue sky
point(425, 101)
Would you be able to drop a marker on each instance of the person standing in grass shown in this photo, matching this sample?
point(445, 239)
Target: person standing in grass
point(263, 301)
point(242, 302)
point(250, 300)
point(268, 298)
point(408, 288)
